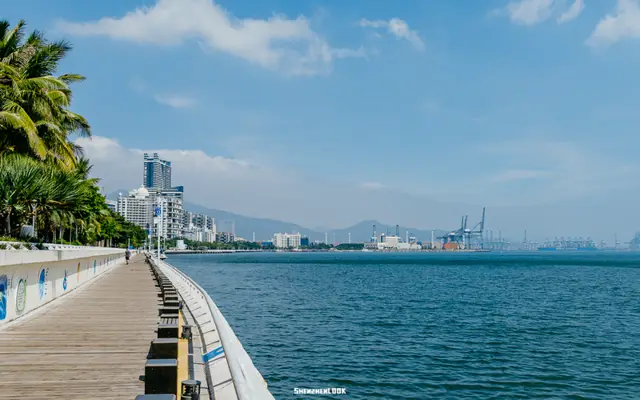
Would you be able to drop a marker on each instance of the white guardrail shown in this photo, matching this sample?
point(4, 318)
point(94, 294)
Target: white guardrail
point(248, 382)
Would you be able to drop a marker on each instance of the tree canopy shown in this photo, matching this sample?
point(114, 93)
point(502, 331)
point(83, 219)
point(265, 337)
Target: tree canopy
point(35, 119)
point(44, 178)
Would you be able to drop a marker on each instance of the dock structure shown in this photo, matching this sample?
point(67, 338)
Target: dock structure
point(96, 342)
point(142, 330)
point(90, 344)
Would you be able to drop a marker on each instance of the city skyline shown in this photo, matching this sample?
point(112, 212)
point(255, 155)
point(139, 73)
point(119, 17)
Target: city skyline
point(413, 113)
point(156, 191)
point(156, 195)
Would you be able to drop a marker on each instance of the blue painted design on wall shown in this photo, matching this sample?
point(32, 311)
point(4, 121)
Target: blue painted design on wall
point(42, 280)
point(212, 354)
point(21, 295)
point(64, 281)
point(3, 297)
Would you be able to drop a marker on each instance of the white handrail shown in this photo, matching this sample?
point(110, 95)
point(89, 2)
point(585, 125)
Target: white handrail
point(248, 382)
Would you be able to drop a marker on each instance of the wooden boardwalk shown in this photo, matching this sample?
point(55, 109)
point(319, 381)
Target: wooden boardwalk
point(91, 345)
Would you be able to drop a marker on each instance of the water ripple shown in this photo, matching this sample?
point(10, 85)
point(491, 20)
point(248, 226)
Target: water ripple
point(461, 326)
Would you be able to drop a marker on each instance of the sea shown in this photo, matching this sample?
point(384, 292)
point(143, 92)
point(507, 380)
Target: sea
point(433, 325)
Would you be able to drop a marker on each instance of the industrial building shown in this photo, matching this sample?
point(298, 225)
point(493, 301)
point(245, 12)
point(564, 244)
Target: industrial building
point(392, 242)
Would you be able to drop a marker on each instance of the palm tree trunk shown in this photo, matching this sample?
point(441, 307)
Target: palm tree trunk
point(7, 223)
point(35, 222)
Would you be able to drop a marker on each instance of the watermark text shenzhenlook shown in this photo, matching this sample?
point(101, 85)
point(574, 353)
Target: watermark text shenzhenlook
point(323, 391)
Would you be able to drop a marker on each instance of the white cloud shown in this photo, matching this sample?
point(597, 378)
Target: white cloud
point(397, 27)
point(561, 169)
point(249, 188)
point(175, 100)
point(102, 149)
point(372, 186)
point(532, 12)
point(573, 12)
point(529, 12)
point(624, 22)
point(277, 43)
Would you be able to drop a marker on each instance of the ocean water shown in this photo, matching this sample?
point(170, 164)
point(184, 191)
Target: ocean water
point(422, 326)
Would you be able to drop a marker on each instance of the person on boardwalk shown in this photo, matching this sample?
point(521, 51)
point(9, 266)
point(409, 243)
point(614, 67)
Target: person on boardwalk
point(127, 255)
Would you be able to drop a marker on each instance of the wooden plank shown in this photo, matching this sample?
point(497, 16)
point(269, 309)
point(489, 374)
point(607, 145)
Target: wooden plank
point(183, 356)
point(91, 346)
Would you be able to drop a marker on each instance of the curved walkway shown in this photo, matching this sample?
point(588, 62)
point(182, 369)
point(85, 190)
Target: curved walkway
point(92, 345)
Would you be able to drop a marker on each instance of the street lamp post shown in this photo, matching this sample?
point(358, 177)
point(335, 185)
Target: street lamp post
point(159, 228)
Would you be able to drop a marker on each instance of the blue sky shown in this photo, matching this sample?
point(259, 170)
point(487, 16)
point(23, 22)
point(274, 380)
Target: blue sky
point(325, 113)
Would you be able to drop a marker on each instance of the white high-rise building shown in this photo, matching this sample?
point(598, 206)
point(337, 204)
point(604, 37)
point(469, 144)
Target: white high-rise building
point(157, 172)
point(136, 207)
point(187, 219)
point(172, 216)
point(210, 236)
point(211, 223)
point(286, 240)
point(198, 227)
point(200, 235)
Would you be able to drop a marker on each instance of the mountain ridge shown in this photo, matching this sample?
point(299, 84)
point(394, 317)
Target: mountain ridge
point(264, 228)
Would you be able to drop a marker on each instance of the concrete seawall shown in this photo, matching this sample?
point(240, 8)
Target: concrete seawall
point(29, 279)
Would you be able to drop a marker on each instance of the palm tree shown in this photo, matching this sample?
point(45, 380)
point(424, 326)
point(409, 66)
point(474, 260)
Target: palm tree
point(83, 168)
point(34, 104)
point(21, 179)
point(31, 189)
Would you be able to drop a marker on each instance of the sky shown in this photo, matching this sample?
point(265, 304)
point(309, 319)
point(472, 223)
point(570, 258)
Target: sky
point(327, 113)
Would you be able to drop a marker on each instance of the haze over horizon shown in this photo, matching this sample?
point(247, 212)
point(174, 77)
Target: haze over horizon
point(330, 113)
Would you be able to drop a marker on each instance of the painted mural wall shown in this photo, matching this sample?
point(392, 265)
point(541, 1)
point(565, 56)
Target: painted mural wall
point(25, 287)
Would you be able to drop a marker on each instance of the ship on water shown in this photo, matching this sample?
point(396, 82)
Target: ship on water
point(575, 244)
point(551, 248)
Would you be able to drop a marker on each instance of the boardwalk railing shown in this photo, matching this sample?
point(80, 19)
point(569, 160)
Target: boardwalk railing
point(248, 382)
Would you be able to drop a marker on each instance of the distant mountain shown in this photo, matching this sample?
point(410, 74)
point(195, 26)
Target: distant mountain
point(363, 231)
point(264, 228)
point(114, 195)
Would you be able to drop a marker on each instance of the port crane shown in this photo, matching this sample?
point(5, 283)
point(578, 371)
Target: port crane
point(464, 237)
